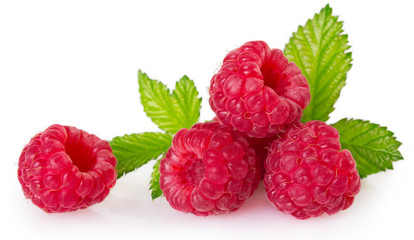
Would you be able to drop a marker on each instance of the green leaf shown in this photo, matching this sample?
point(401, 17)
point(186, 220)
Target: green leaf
point(155, 181)
point(157, 102)
point(134, 150)
point(186, 102)
point(320, 50)
point(170, 111)
point(373, 147)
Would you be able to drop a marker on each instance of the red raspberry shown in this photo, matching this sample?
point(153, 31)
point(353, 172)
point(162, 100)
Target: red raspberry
point(257, 91)
point(307, 174)
point(209, 169)
point(64, 169)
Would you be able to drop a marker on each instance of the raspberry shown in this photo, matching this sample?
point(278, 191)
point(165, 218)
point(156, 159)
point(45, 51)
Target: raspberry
point(307, 174)
point(64, 169)
point(208, 170)
point(257, 91)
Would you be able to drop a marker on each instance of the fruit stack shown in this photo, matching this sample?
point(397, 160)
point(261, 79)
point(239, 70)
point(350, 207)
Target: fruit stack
point(259, 96)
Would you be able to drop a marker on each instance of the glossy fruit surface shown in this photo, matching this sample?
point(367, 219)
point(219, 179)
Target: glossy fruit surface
point(208, 170)
point(65, 169)
point(307, 173)
point(257, 91)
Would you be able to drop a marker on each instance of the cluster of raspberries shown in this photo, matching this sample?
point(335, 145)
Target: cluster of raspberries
point(258, 97)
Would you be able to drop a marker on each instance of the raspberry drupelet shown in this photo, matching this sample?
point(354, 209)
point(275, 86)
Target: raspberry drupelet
point(257, 91)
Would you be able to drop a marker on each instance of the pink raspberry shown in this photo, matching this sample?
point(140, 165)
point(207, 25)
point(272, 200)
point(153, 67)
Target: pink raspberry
point(64, 169)
point(208, 170)
point(257, 91)
point(307, 174)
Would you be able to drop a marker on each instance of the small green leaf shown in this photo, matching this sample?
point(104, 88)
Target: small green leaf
point(186, 102)
point(320, 50)
point(134, 150)
point(170, 112)
point(373, 147)
point(155, 181)
point(157, 102)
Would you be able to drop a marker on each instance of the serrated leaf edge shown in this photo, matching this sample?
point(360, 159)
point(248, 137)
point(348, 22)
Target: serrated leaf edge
point(394, 153)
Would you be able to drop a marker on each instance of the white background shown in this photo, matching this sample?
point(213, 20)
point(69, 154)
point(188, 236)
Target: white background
point(76, 62)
